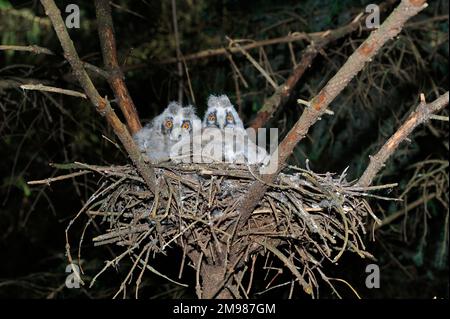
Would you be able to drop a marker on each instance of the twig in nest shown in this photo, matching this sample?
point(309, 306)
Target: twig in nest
point(306, 287)
point(47, 181)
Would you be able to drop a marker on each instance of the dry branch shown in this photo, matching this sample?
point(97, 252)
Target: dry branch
point(390, 28)
point(394, 216)
point(29, 48)
point(284, 91)
point(115, 79)
point(293, 37)
point(48, 181)
point(41, 50)
point(16, 82)
point(234, 44)
point(102, 105)
point(179, 55)
point(297, 36)
point(421, 115)
point(41, 87)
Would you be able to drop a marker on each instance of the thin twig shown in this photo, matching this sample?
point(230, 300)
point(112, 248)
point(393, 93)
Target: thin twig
point(29, 48)
point(253, 61)
point(306, 287)
point(47, 181)
point(392, 217)
point(41, 87)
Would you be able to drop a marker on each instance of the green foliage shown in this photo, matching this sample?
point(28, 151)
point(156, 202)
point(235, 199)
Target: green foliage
point(4, 4)
point(33, 35)
point(18, 182)
point(441, 252)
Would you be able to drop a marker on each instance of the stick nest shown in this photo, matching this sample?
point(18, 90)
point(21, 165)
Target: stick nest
point(304, 218)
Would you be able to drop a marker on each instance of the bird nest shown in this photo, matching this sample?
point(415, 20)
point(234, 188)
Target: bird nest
point(304, 219)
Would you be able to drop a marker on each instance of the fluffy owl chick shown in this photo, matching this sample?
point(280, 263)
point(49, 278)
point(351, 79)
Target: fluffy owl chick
point(158, 137)
point(221, 114)
point(186, 126)
point(152, 143)
point(223, 122)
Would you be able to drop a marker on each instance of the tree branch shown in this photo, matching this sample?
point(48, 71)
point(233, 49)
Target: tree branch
point(41, 50)
point(298, 36)
point(102, 105)
point(41, 87)
point(294, 37)
point(179, 55)
point(365, 52)
point(284, 91)
point(115, 79)
point(403, 211)
point(282, 94)
point(29, 48)
point(421, 115)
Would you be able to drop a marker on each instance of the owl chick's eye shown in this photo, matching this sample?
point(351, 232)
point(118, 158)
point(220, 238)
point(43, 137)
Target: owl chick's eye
point(168, 124)
point(186, 125)
point(212, 117)
point(230, 118)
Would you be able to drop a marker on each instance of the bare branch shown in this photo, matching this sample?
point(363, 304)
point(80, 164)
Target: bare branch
point(234, 44)
point(41, 50)
point(102, 105)
point(41, 87)
point(365, 52)
point(47, 181)
point(293, 37)
point(298, 36)
point(115, 79)
point(421, 115)
point(394, 216)
point(29, 48)
point(100, 72)
point(284, 91)
point(16, 82)
point(179, 55)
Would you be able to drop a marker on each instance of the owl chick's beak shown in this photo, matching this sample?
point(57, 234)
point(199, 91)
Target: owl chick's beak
point(175, 135)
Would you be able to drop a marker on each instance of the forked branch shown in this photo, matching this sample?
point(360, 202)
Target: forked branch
point(355, 63)
point(115, 78)
point(421, 115)
point(102, 105)
point(280, 97)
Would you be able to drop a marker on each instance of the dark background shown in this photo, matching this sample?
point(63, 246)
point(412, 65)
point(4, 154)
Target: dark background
point(37, 129)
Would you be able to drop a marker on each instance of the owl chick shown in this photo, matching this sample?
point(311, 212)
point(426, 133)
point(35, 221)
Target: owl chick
point(158, 137)
point(221, 114)
point(181, 147)
point(229, 136)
